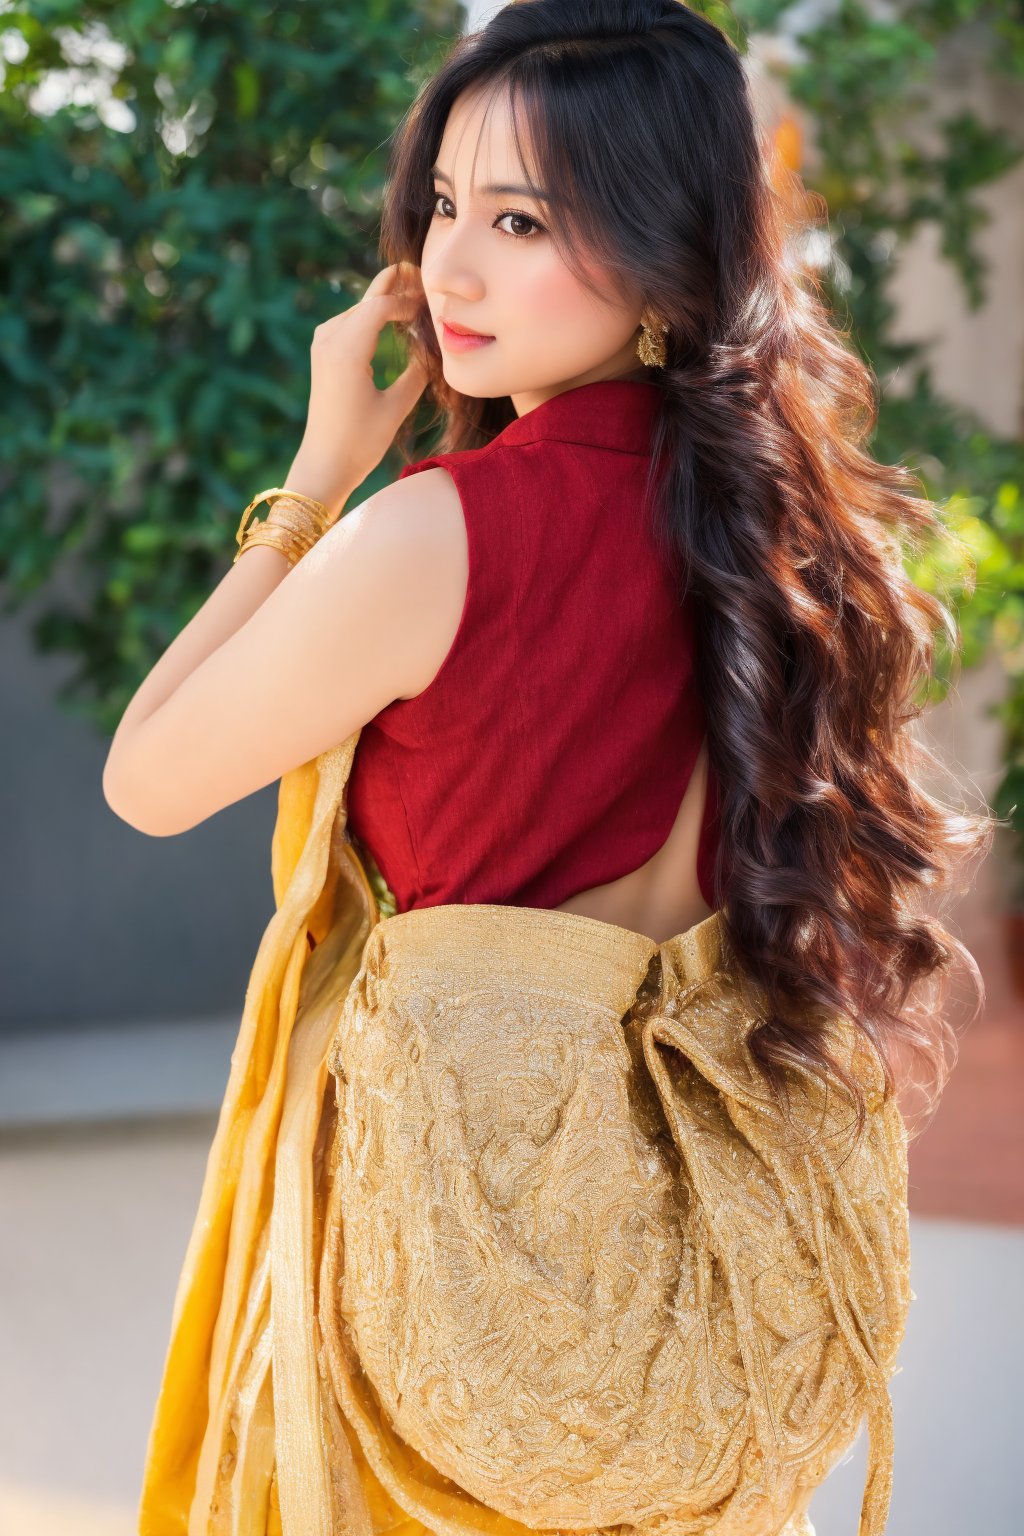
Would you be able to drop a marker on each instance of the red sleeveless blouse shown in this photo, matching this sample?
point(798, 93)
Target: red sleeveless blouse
point(552, 749)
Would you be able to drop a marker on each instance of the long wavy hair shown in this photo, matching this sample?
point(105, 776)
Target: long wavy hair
point(788, 536)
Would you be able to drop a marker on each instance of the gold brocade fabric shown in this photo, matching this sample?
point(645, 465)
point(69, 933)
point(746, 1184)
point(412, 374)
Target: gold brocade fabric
point(500, 1233)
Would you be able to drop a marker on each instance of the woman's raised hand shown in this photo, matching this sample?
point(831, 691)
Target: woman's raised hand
point(350, 423)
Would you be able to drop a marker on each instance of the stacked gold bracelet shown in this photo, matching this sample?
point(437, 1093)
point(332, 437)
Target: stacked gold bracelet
point(293, 524)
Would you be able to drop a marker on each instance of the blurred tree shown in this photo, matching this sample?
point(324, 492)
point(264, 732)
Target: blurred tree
point(187, 190)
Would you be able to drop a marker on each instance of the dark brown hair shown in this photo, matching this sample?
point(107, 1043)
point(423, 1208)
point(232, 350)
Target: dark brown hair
point(789, 536)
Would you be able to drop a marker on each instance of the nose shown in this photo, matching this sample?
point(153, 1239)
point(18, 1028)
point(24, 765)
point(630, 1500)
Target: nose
point(451, 264)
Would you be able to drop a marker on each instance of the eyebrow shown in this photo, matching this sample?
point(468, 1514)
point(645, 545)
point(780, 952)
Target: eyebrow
point(493, 190)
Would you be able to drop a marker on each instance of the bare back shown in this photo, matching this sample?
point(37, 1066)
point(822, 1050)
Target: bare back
point(662, 897)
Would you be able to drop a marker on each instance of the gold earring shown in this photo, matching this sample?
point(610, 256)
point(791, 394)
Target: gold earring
point(650, 348)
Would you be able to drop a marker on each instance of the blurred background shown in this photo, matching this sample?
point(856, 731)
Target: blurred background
point(187, 189)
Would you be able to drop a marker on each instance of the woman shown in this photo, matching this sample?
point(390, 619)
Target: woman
point(643, 694)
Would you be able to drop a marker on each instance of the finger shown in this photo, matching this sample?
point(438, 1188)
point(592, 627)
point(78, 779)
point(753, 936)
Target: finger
point(401, 278)
point(380, 308)
point(382, 282)
point(409, 279)
point(408, 387)
point(372, 314)
point(385, 300)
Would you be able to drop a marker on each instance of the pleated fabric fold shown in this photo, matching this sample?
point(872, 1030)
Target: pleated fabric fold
point(240, 1377)
point(812, 1245)
point(499, 1233)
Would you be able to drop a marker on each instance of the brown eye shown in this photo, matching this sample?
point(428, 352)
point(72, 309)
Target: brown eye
point(508, 213)
point(515, 213)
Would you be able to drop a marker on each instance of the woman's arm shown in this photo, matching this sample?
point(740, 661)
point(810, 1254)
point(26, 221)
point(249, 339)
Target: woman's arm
point(244, 588)
point(231, 705)
point(365, 617)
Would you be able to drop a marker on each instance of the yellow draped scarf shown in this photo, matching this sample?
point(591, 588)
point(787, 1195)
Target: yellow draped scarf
point(265, 1422)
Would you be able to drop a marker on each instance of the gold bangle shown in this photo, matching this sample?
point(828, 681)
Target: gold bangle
point(274, 494)
point(276, 538)
point(293, 524)
point(290, 542)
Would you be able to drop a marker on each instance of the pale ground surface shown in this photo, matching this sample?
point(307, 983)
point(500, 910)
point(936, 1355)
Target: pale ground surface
point(96, 1220)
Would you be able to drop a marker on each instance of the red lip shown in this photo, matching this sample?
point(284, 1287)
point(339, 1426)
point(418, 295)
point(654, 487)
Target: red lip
point(463, 330)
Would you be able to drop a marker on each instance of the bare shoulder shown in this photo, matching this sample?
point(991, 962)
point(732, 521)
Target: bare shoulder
point(418, 529)
point(422, 505)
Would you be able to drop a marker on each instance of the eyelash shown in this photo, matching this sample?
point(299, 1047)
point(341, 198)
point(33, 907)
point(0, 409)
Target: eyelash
point(505, 213)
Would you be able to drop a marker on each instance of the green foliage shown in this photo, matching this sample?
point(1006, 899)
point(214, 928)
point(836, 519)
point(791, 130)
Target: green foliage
point(171, 237)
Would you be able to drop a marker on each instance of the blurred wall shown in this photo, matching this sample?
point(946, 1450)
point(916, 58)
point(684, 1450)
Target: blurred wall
point(100, 922)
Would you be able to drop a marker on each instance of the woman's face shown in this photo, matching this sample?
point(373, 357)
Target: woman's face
point(489, 264)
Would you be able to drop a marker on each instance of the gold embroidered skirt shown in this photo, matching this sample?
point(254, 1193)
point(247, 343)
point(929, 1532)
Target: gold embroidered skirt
point(499, 1235)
